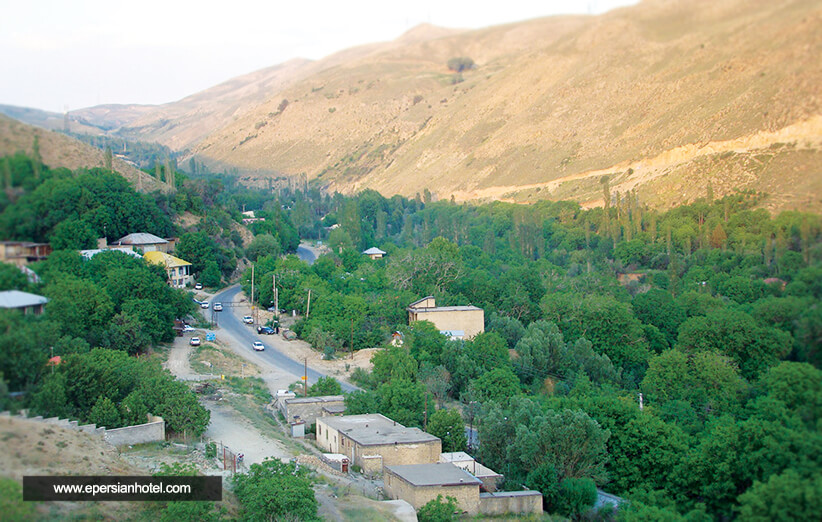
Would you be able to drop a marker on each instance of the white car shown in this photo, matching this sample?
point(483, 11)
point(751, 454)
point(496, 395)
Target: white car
point(198, 286)
point(204, 305)
point(258, 346)
point(195, 341)
point(247, 319)
point(218, 307)
point(188, 328)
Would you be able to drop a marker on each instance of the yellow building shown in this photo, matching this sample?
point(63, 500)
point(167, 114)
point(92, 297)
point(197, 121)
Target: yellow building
point(457, 322)
point(179, 271)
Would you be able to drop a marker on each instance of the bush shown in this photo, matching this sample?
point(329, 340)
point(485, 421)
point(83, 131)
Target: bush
point(460, 63)
point(438, 511)
point(211, 450)
point(576, 495)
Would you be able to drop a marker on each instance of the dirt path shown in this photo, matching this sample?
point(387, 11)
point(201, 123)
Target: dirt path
point(233, 430)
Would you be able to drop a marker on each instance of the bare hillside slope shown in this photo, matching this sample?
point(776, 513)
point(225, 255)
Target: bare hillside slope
point(663, 97)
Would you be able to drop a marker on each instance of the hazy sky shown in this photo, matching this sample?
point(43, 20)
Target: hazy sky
point(77, 53)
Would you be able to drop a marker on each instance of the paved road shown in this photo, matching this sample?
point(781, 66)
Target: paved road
point(275, 346)
point(306, 255)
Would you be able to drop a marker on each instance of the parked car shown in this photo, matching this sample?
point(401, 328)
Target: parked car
point(258, 346)
point(247, 319)
point(218, 307)
point(204, 305)
point(188, 328)
point(267, 330)
point(198, 286)
point(195, 341)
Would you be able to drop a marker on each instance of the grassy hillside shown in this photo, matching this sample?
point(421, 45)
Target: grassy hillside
point(59, 150)
point(663, 97)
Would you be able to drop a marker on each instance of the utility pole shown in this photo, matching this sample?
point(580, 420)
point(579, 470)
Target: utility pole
point(276, 297)
point(305, 378)
point(352, 338)
point(253, 311)
point(308, 306)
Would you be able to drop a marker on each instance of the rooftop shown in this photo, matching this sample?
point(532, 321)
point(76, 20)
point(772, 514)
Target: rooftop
point(161, 258)
point(308, 400)
point(376, 430)
point(443, 308)
point(373, 251)
point(466, 462)
point(18, 299)
point(438, 474)
point(140, 238)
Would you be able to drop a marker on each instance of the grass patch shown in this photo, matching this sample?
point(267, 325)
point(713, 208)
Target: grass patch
point(209, 358)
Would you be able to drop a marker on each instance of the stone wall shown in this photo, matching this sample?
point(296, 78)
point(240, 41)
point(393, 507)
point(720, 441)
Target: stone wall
point(154, 430)
point(504, 502)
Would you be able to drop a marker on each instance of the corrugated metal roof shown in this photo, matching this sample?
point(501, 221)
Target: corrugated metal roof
point(373, 250)
point(18, 299)
point(140, 238)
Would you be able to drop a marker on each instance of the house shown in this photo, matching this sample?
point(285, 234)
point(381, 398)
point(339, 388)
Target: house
point(88, 254)
point(142, 241)
point(23, 301)
point(487, 476)
point(373, 441)
point(310, 408)
point(178, 270)
point(419, 484)
point(457, 322)
point(374, 253)
point(21, 253)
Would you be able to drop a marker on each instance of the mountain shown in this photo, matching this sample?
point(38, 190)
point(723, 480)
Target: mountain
point(663, 97)
point(59, 150)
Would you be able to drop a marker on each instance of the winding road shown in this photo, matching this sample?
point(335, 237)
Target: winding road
point(276, 348)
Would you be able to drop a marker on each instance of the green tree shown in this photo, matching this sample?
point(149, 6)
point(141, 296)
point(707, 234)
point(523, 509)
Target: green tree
point(708, 381)
point(12, 278)
point(576, 496)
point(126, 333)
point(545, 480)
point(325, 386)
point(275, 490)
point(105, 413)
point(499, 385)
point(439, 510)
point(784, 497)
point(263, 245)
point(447, 424)
point(403, 401)
point(210, 275)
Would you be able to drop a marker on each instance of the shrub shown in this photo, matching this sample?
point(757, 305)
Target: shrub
point(438, 511)
point(460, 63)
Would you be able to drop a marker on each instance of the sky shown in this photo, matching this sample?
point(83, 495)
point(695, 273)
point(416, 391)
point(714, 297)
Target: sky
point(57, 54)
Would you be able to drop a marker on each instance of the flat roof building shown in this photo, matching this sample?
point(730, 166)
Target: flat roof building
point(457, 322)
point(372, 441)
point(419, 484)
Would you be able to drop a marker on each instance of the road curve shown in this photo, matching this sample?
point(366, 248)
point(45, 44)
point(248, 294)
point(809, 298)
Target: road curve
point(274, 344)
point(306, 254)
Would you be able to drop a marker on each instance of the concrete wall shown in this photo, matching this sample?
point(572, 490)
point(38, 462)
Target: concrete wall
point(510, 502)
point(152, 431)
point(467, 495)
point(329, 439)
point(472, 322)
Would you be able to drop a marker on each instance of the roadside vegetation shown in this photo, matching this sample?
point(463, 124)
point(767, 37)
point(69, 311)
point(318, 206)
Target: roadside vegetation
point(669, 357)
